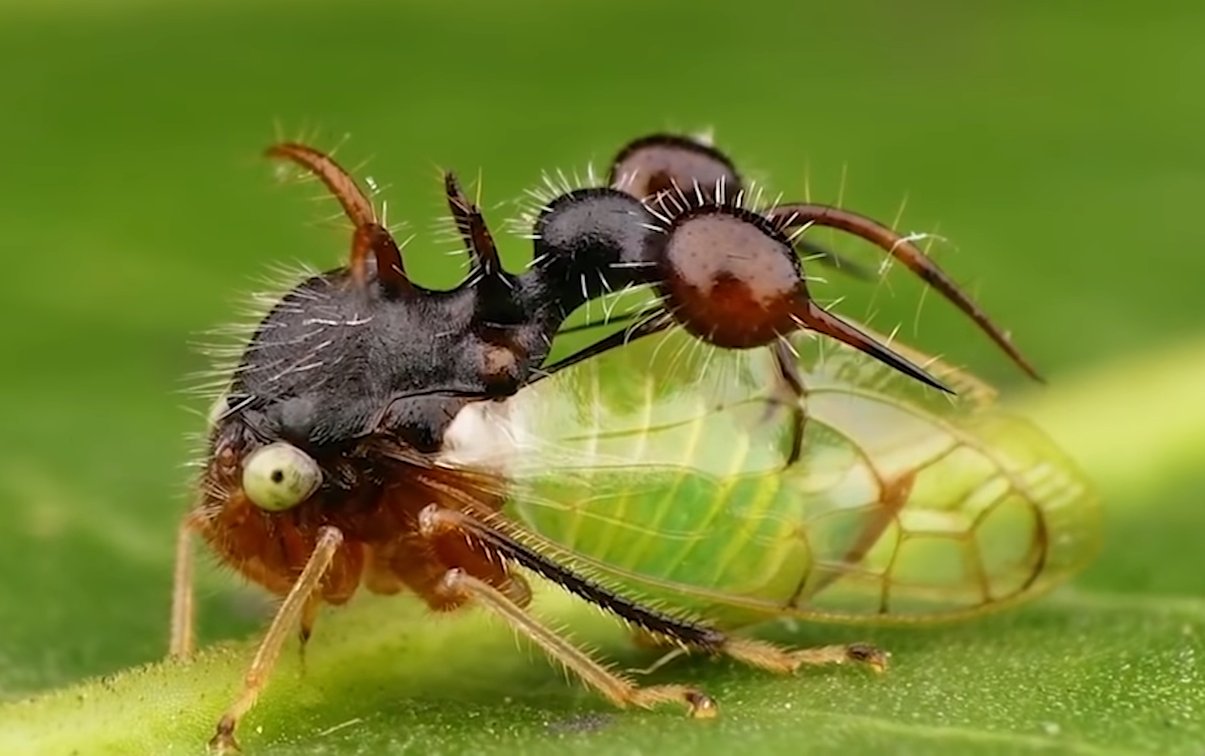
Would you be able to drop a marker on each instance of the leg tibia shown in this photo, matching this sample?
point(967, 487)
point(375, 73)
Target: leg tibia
point(617, 688)
point(183, 609)
point(291, 612)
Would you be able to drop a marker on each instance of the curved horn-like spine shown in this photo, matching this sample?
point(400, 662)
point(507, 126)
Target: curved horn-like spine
point(369, 234)
point(472, 227)
point(902, 249)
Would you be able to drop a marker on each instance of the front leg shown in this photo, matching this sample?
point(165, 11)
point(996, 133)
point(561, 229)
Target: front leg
point(287, 617)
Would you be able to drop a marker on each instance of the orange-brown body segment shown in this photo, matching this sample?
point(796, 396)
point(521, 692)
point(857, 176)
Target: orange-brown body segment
point(382, 547)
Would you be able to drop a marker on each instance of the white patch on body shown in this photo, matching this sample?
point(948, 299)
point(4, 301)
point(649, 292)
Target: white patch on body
point(486, 435)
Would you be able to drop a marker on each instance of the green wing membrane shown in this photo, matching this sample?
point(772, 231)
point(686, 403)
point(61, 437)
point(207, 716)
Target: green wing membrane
point(662, 468)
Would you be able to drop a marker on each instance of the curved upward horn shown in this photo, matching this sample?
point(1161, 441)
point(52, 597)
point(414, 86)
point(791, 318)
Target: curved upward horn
point(369, 234)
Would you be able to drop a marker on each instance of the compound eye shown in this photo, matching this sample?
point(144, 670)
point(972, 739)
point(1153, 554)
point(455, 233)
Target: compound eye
point(730, 278)
point(280, 476)
point(661, 163)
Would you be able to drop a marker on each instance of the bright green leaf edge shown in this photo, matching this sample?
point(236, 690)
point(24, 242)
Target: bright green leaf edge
point(1079, 672)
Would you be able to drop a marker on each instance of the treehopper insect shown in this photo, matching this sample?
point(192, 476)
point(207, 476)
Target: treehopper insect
point(736, 453)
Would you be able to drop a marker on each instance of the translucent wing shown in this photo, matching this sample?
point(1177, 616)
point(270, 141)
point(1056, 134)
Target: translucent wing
point(663, 468)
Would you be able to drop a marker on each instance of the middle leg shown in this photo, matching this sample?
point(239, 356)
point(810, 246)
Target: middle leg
point(619, 689)
point(497, 536)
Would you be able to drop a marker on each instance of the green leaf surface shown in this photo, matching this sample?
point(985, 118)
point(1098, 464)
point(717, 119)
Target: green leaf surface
point(1055, 146)
point(1095, 673)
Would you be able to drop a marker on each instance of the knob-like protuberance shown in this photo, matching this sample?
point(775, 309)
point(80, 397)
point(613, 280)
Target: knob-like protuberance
point(663, 163)
point(728, 277)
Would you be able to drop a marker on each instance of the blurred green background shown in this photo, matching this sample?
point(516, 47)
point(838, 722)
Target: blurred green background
point(1057, 146)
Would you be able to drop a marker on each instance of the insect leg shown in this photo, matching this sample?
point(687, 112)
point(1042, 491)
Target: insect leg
point(669, 651)
point(183, 609)
point(517, 546)
point(508, 542)
point(617, 688)
point(309, 615)
point(766, 655)
point(290, 612)
point(517, 590)
point(790, 384)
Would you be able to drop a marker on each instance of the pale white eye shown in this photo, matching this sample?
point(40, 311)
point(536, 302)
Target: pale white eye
point(280, 476)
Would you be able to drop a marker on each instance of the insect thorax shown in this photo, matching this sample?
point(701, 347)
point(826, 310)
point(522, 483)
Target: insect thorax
point(334, 361)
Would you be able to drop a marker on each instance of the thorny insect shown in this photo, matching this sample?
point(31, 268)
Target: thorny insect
point(707, 467)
